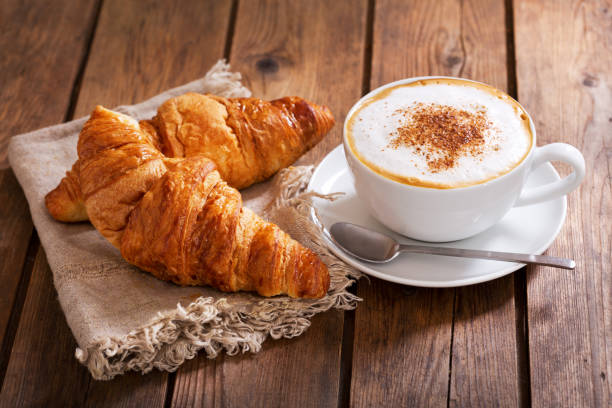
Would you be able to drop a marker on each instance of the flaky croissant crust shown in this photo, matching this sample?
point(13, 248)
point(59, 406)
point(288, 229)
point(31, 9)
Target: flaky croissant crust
point(249, 140)
point(179, 220)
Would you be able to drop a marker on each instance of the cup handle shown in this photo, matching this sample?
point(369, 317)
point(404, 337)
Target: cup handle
point(554, 151)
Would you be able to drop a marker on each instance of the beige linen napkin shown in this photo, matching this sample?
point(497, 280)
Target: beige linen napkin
point(124, 319)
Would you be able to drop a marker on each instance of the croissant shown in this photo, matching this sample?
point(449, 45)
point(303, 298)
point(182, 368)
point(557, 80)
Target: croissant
point(249, 140)
point(179, 220)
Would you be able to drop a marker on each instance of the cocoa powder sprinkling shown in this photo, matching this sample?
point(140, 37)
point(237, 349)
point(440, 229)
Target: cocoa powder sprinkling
point(441, 134)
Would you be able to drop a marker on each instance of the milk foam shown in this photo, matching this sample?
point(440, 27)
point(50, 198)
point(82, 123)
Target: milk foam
point(507, 137)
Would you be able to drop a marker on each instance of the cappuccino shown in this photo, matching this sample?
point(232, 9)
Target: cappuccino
point(440, 133)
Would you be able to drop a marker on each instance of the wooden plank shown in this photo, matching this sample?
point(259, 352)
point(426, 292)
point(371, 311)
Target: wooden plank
point(143, 48)
point(154, 55)
point(484, 365)
point(42, 46)
point(313, 49)
point(402, 348)
point(139, 40)
point(564, 70)
point(195, 382)
point(484, 358)
point(42, 370)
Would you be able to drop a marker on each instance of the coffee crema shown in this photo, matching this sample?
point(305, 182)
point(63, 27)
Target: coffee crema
point(440, 133)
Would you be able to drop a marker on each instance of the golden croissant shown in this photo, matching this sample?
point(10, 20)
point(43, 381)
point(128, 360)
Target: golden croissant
point(248, 139)
point(179, 220)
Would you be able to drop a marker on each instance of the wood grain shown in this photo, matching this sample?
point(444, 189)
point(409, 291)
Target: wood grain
point(130, 390)
point(564, 69)
point(42, 44)
point(312, 49)
point(41, 47)
point(465, 39)
point(42, 370)
point(402, 342)
point(143, 48)
point(197, 381)
point(484, 365)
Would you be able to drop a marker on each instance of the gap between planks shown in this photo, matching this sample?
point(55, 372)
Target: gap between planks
point(520, 276)
point(78, 80)
point(22, 288)
point(348, 330)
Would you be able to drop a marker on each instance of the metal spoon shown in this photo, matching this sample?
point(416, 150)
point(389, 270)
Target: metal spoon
point(372, 246)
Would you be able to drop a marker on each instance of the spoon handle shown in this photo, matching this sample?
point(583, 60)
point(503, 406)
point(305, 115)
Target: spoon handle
point(498, 256)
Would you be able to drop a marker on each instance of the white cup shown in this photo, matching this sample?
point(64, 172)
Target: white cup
point(439, 215)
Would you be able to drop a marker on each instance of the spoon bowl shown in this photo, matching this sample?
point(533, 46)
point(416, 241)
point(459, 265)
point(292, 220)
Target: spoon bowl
point(364, 243)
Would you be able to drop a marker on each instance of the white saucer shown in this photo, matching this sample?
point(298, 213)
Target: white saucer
point(529, 229)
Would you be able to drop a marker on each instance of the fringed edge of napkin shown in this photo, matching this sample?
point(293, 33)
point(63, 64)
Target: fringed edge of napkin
point(205, 324)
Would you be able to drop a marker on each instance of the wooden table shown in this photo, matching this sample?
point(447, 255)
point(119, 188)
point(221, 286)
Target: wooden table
point(539, 336)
